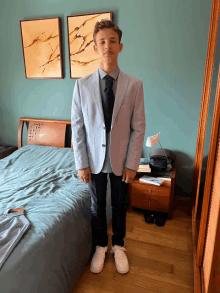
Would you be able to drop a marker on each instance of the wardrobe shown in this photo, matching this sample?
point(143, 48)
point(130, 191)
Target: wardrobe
point(206, 211)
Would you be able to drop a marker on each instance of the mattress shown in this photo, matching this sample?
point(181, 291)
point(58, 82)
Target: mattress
point(50, 256)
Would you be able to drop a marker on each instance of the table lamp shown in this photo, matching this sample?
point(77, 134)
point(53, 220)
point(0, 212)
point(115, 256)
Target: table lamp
point(152, 141)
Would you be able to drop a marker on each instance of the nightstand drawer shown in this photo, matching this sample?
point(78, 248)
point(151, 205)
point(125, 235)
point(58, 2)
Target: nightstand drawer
point(152, 198)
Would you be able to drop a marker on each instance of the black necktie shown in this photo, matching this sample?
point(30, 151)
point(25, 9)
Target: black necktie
point(108, 100)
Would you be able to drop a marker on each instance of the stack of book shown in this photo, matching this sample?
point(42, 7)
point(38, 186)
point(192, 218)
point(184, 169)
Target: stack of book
point(166, 175)
point(144, 165)
point(156, 178)
point(151, 180)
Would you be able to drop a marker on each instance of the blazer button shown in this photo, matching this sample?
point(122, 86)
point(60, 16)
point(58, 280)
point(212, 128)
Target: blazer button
point(103, 145)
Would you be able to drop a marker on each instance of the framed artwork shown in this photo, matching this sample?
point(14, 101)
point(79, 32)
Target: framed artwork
point(82, 58)
point(41, 44)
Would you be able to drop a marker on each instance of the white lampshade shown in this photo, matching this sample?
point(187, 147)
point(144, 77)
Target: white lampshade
point(152, 140)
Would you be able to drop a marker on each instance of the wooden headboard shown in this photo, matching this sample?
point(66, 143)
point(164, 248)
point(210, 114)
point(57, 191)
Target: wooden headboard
point(45, 132)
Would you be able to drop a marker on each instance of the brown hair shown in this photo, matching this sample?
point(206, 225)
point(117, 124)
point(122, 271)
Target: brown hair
point(105, 23)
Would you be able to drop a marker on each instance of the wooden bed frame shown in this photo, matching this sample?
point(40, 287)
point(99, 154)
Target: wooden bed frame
point(46, 132)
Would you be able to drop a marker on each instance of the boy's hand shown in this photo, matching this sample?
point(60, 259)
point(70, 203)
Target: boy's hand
point(85, 175)
point(128, 175)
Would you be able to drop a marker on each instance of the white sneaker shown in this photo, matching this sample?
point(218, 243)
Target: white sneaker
point(98, 259)
point(121, 259)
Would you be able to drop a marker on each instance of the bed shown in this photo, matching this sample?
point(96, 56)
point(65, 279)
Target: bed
point(41, 178)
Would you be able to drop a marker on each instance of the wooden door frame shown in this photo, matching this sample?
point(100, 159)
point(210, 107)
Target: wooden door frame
point(198, 241)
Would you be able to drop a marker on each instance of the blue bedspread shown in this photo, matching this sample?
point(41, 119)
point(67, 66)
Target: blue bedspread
point(51, 255)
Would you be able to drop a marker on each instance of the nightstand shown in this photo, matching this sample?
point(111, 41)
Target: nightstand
point(152, 197)
point(6, 151)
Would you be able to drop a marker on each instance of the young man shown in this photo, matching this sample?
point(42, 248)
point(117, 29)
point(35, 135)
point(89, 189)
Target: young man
point(108, 128)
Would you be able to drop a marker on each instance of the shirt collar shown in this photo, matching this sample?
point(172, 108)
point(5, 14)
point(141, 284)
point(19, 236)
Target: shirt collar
point(113, 74)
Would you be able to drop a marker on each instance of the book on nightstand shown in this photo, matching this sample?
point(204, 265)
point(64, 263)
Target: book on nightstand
point(151, 180)
point(145, 167)
point(166, 175)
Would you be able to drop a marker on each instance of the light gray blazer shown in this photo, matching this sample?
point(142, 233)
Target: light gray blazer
point(88, 124)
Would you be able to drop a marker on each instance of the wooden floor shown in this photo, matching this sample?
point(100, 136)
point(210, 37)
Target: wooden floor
point(160, 258)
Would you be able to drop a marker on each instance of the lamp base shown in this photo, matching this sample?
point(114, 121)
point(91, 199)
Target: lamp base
point(158, 164)
point(159, 152)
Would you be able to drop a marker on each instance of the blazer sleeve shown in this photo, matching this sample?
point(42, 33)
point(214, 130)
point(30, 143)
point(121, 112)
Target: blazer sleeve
point(78, 131)
point(137, 132)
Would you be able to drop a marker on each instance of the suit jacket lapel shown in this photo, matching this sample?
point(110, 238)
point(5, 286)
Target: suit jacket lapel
point(121, 89)
point(122, 85)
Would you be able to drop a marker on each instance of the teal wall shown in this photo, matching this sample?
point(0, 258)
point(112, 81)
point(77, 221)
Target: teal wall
point(165, 44)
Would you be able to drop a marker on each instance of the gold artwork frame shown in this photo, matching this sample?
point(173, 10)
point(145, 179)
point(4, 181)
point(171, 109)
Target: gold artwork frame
point(41, 45)
point(80, 29)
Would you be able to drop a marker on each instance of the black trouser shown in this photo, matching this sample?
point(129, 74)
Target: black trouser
point(97, 188)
